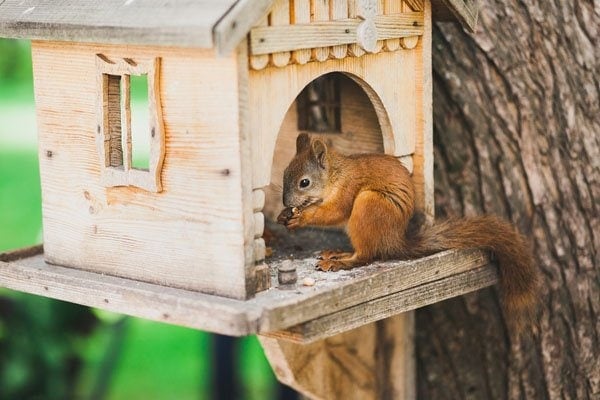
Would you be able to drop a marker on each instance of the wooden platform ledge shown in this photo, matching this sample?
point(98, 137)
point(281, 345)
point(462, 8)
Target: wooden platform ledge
point(336, 303)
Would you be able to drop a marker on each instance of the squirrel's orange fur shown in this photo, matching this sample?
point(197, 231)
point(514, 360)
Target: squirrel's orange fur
point(372, 196)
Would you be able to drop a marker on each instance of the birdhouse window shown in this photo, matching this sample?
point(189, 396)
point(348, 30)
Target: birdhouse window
point(140, 140)
point(319, 106)
point(130, 132)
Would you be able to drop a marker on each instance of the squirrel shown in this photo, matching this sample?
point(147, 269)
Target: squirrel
point(373, 197)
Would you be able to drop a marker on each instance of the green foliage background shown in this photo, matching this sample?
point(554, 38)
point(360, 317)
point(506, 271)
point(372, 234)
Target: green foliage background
point(56, 350)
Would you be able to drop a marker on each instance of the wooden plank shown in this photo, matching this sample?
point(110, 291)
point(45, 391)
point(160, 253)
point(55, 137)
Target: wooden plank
point(353, 11)
point(233, 27)
point(192, 234)
point(271, 310)
point(373, 281)
point(319, 12)
point(256, 272)
point(280, 17)
point(125, 123)
point(411, 41)
point(339, 10)
point(301, 15)
point(139, 299)
point(272, 39)
point(392, 7)
point(380, 12)
point(261, 61)
point(161, 22)
point(387, 306)
point(415, 5)
point(398, 369)
point(222, 24)
point(423, 155)
point(156, 157)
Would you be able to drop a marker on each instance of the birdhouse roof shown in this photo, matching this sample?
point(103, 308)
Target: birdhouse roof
point(219, 24)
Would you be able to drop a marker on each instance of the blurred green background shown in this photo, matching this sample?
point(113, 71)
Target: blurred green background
point(56, 350)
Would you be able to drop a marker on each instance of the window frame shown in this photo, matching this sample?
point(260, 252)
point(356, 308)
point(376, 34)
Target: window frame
point(110, 139)
point(324, 109)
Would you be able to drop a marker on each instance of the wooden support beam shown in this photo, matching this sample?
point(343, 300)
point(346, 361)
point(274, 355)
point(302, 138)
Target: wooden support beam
point(273, 39)
point(374, 361)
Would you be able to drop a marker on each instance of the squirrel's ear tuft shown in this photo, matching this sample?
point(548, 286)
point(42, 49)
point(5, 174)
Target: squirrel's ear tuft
point(302, 142)
point(319, 149)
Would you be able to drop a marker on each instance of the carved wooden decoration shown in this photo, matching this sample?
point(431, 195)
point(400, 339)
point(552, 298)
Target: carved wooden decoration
point(323, 30)
point(114, 123)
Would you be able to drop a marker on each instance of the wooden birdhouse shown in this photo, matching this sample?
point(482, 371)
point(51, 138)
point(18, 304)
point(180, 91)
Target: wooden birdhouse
point(230, 84)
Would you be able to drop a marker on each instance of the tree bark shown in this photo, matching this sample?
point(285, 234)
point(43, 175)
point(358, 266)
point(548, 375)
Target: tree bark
point(517, 134)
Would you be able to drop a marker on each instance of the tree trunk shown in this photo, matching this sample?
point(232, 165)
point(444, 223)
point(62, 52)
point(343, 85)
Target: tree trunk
point(517, 133)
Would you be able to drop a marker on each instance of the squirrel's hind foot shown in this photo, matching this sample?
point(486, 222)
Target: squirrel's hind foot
point(335, 264)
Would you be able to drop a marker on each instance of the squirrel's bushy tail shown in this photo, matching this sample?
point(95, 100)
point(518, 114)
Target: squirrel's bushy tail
point(518, 275)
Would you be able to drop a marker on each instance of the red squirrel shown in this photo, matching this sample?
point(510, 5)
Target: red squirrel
point(373, 197)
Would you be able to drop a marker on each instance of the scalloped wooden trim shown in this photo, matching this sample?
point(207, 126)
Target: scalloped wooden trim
point(319, 35)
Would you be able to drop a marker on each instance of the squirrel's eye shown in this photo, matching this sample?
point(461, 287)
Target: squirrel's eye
point(304, 183)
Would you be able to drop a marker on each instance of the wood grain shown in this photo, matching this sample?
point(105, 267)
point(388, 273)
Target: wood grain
point(338, 10)
point(320, 12)
point(260, 61)
point(113, 115)
point(381, 76)
point(301, 15)
point(177, 23)
point(422, 161)
point(350, 288)
point(415, 5)
point(345, 366)
point(271, 310)
point(360, 133)
point(272, 39)
point(204, 23)
point(231, 30)
point(380, 12)
point(463, 11)
point(353, 11)
point(120, 295)
point(381, 308)
point(280, 17)
point(392, 7)
point(190, 235)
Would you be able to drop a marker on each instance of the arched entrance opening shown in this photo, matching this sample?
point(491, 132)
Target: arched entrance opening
point(346, 113)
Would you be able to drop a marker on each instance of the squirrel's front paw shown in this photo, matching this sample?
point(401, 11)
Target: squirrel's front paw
point(289, 217)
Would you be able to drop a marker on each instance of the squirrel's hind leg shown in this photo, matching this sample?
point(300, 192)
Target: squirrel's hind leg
point(377, 225)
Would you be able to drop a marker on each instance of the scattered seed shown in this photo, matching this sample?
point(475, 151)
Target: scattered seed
point(308, 281)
